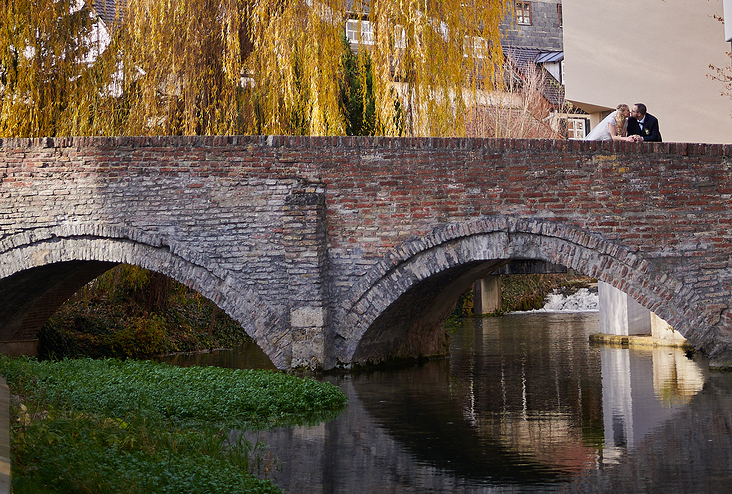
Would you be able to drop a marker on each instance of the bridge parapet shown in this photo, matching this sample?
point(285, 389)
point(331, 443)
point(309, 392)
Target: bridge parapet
point(324, 246)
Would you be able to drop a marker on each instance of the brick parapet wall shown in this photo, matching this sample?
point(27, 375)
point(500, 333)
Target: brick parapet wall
point(225, 204)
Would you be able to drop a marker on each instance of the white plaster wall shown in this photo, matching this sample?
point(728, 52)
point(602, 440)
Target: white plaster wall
point(652, 52)
point(639, 318)
point(662, 331)
point(620, 314)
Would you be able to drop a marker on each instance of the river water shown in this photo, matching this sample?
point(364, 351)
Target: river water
point(523, 404)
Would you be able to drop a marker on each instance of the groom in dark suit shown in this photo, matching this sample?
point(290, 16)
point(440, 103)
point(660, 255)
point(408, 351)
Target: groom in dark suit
point(643, 124)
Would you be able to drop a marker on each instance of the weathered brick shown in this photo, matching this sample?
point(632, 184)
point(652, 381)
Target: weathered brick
point(305, 225)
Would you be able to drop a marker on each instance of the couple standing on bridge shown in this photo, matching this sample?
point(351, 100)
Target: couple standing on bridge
point(626, 125)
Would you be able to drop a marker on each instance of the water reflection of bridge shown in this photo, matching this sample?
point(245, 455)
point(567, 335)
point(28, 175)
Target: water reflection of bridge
point(690, 453)
point(641, 389)
point(524, 411)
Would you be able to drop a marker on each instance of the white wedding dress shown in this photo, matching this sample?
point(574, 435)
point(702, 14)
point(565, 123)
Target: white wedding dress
point(601, 132)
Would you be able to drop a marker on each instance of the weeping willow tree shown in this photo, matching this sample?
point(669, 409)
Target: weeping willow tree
point(178, 66)
point(243, 66)
point(437, 56)
point(43, 52)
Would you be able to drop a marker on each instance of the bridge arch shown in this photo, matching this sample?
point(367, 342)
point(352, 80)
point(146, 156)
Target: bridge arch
point(53, 263)
point(424, 277)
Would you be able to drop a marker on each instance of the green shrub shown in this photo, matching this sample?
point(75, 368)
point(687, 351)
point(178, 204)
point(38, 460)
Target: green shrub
point(132, 312)
point(140, 336)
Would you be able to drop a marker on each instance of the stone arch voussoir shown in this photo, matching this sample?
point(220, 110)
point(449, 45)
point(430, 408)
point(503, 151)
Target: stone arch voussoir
point(84, 242)
point(509, 238)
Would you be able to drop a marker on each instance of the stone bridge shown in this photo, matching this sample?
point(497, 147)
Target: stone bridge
point(333, 251)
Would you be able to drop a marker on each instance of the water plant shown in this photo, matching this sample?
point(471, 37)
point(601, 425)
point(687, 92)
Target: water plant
point(107, 425)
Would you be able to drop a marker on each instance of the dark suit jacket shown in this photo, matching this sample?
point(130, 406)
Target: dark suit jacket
point(650, 130)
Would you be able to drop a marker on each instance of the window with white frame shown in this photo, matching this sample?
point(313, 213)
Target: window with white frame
point(523, 13)
point(400, 37)
point(576, 128)
point(354, 27)
point(475, 46)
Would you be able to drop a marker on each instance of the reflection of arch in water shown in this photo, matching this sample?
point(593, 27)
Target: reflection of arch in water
point(399, 307)
point(39, 272)
point(689, 451)
point(520, 401)
point(421, 414)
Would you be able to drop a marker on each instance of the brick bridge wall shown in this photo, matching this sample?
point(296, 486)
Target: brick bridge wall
point(332, 251)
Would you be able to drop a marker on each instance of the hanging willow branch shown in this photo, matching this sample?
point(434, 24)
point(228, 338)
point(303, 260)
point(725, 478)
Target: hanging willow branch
point(42, 53)
point(436, 56)
point(243, 67)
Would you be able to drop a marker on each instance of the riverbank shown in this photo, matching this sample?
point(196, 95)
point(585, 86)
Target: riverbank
point(138, 426)
point(132, 312)
point(527, 292)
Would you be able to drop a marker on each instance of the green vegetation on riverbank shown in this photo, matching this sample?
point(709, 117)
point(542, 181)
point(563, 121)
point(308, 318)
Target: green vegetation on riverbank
point(109, 426)
point(131, 312)
point(521, 292)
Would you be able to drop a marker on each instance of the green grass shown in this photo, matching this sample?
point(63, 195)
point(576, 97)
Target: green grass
point(113, 426)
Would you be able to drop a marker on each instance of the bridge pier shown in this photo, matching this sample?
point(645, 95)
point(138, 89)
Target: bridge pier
point(620, 315)
point(487, 295)
point(487, 291)
point(306, 259)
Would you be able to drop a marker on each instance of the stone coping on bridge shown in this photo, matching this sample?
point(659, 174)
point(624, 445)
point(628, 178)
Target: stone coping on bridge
point(277, 141)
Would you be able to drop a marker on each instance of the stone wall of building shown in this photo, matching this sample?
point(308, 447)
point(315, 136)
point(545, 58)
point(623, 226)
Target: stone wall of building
point(545, 31)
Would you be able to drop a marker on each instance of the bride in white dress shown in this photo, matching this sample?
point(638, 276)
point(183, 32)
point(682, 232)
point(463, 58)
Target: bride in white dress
point(614, 127)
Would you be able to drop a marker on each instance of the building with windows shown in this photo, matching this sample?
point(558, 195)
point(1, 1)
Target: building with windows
point(536, 24)
point(534, 40)
point(651, 52)
point(532, 45)
point(359, 32)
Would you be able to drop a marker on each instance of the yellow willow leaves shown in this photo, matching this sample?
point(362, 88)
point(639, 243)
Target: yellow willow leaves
point(437, 55)
point(242, 66)
point(180, 66)
point(41, 54)
point(297, 68)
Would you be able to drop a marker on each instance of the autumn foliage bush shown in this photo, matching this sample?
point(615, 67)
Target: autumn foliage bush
point(115, 316)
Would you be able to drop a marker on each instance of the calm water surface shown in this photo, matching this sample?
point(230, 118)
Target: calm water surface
point(524, 404)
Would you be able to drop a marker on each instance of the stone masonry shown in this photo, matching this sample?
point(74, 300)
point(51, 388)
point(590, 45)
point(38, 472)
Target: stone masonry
point(334, 251)
point(545, 31)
